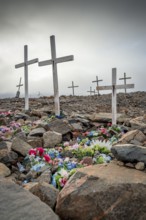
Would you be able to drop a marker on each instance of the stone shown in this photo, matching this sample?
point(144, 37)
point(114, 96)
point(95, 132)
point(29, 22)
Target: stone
point(140, 166)
point(130, 165)
point(129, 153)
point(37, 132)
point(6, 155)
point(18, 203)
point(4, 171)
point(131, 136)
point(20, 146)
point(138, 123)
point(120, 163)
point(59, 126)
point(21, 116)
point(102, 117)
point(35, 141)
point(77, 126)
point(45, 176)
point(51, 138)
point(87, 160)
point(46, 192)
point(103, 192)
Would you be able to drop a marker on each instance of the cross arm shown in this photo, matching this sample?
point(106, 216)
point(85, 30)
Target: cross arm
point(64, 59)
point(128, 86)
point(19, 65)
point(29, 62)
point(97, 80)
point(103, 87)
point(45, 62)
point(125, 78)
point(19, 85)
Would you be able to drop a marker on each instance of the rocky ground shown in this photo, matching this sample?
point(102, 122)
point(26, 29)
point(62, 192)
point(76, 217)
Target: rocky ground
point(133, 104)
point(75, 167)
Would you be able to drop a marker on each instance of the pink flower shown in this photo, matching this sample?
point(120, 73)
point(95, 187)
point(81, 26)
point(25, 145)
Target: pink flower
point(103, 130)
point(66, 144)
point(47, 157)
point(62, 181)
point(40, 150)
point(32, 152)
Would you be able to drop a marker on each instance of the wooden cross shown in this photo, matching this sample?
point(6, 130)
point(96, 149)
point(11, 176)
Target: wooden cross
point(114, 87)
point(97, 80)
point(91, 91)
point(25, 64)
point(73, 88)
point(54, 62)
point(125, 80)
point(18, 92)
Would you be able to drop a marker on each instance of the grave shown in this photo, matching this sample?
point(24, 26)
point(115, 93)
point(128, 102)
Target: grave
point(97, 80)
point(114, 87)
point(91, 91)
point(18, 92)
point(125, 78)
point(25, 64)
point(73, 92)
point(54, 61)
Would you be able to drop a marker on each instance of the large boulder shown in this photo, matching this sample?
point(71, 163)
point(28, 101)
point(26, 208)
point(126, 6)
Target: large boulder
point(20, 146)
point(59, 126)
point(4, 171)
point(129, 153)
point(51, 138)
point(102, 117)
point(132, 137)
point(6, 155)
point(46, 192)
point(103, 192)
point(17, 203)
point(138, 123)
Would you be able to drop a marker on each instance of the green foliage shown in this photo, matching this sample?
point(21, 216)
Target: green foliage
point(100, 160)
point(82, 152)
point(103, 150)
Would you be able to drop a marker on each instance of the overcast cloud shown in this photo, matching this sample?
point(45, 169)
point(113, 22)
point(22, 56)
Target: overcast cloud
point(101, 34)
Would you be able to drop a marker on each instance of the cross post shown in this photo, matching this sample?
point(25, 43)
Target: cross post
point(54, 60)
point(73, 88)
point(25, 64)
point(124, 78)
point(97, 80)
point(114, 87)
point(18, 92)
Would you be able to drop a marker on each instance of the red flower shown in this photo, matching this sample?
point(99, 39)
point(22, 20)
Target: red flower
point(47, 157)
point(32, 152)
point(40, 150)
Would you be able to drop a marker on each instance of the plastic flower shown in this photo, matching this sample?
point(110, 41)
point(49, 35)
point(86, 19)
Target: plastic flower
point(62, 181)
point(66, 144)
point(40, 151)
point(47, 157)
point(32, 152)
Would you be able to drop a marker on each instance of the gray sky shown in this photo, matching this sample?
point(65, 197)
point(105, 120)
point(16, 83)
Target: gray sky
point(101, 34)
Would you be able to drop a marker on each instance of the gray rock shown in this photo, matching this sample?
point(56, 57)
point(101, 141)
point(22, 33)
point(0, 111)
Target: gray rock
point(4, 171)
point(45, 176)
point(18, 203)
point(59, 126)
point(140, 166)
point(102, 192)
point(46, 192)
point(129, 153)
point(51, 138)
point(35, 141)
point(20, 146)
point(6, 155)
point(37, 132)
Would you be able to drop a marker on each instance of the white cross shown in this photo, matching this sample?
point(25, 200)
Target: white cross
point(18, 92)
point(91, 91)
point(114, 87)
point(54, 62)
point(125, 80)
point(97, 80)
point(73, 88)
point(25, 65)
